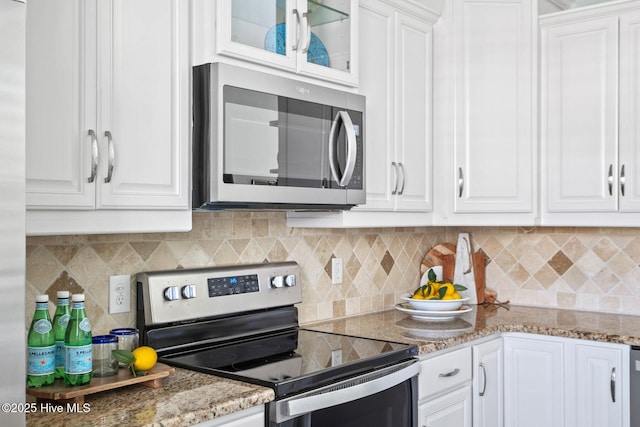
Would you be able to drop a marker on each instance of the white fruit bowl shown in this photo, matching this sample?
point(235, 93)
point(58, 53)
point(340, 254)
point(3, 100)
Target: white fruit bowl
point(434, 304)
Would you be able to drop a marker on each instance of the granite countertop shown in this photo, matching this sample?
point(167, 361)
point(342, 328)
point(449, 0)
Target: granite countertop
point(393, 325)
point(185, 398)
point(188, 397)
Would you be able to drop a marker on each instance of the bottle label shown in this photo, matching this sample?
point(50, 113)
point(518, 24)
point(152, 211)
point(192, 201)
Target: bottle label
point(85, 325)
point(63, 301)
point(77, 305)
point(41, 360)
point(42, 326)
point(78, 359)
point(42, 306)
point(64, 320)
point(60, 354)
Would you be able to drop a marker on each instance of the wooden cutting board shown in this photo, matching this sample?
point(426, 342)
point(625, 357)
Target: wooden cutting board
point(443, 254)
point(68, 394)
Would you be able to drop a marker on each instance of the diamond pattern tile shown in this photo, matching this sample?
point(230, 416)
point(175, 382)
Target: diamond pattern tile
point(580, 268)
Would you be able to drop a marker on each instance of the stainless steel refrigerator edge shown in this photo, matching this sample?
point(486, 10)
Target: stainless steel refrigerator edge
point(12, 208)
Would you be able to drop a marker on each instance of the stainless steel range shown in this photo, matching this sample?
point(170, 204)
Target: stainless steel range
point(240, 322)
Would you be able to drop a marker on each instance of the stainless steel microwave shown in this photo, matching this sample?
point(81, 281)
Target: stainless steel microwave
point(264, 141)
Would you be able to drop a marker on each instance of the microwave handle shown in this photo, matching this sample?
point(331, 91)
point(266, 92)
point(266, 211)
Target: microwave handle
point(352, 148)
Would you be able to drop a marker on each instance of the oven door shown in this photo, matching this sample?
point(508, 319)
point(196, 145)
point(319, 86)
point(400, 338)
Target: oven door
point(384, 398)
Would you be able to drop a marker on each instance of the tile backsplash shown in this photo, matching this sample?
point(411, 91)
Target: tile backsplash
point(580, 268)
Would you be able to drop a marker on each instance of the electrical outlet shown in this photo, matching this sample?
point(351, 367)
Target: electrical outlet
point(119, 294)
point(336, 271)
point(336, 357)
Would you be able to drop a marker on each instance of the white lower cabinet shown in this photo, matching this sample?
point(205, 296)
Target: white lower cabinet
point(534, 382)
point(553, 381)
point(448, 410)
point(444, 397)
point(252, 417)
point(488, 384)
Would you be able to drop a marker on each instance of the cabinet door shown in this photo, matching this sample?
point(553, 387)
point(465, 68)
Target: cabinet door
point(534, 383)
point(629, 143)
point(488, 384)
point(377, 85)
point(267, 31)
point(413, 116)
point(494, 105)
point(144, 113)
point(579, 123)
point(329, 40)
point(451, 409)
point(598, 393)
point(61, 104)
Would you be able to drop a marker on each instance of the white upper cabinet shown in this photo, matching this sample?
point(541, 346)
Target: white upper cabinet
point(313, 38)
point(486, 111)
point(396, 57)
point(396, 80)
point(629, 127)
point(590, 111)
point(108, 116)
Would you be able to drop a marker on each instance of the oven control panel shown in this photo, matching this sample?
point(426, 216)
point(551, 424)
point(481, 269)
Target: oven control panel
point(183, 295)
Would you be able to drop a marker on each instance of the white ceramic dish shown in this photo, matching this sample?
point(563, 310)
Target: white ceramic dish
point(434, 316)
point(434, 304)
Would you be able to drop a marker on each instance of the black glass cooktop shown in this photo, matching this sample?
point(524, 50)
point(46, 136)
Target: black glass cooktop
point(294, 360)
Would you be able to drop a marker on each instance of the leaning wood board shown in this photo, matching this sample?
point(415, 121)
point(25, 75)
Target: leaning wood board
point(75, 394)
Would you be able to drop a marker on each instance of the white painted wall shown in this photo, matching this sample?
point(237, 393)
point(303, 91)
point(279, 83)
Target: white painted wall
point(12, 207)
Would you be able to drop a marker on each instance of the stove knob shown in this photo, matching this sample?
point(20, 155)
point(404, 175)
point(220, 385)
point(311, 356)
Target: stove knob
point(277, 281)
point(171, 293)
point(189, 291)
point(290, 280)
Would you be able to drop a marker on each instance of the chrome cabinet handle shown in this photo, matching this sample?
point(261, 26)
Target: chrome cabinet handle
point(404, 178)
point(307, 41)
point(613, 384)
point(112, 157)
point(297, 42)
point(395, 186)
point(484, 380)
point(460, 182)
point(456, 371)
point(610, 180)
point(94, 156)
point(622, 180)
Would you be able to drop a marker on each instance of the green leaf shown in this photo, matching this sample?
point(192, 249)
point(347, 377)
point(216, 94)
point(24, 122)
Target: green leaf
point(124, 356)
point(431, 275)
point(459, 288)
point(442, 292)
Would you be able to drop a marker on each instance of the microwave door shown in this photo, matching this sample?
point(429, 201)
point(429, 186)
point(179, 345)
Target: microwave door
point(303, 144)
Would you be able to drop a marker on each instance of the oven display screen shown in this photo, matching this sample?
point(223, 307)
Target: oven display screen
point(233, 285)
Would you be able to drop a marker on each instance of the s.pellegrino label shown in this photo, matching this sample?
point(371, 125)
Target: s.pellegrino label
point(78, 359)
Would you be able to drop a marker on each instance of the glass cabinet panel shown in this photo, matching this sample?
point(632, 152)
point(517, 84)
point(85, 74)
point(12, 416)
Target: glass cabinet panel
point(260, 24)
point(328, 37)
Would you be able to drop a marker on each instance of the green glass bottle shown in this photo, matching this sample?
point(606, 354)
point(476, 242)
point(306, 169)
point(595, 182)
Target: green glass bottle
point(60, 322)
point(77, 345)
point(41, 349)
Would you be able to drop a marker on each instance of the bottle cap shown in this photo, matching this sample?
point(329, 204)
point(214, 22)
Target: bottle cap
point(62, 294)
point(77, 297)
point(42, 298)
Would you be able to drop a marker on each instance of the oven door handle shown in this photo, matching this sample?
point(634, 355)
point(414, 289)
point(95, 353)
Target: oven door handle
point(349, 390)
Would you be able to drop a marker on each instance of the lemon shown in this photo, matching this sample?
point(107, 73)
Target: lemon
point(146, 358)
point(417, 296)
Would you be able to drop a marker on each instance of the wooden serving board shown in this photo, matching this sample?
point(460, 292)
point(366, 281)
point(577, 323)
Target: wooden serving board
point(441, 254)
point(63, 393)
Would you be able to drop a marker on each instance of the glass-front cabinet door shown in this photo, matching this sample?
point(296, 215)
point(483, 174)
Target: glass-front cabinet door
point(311, 37)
